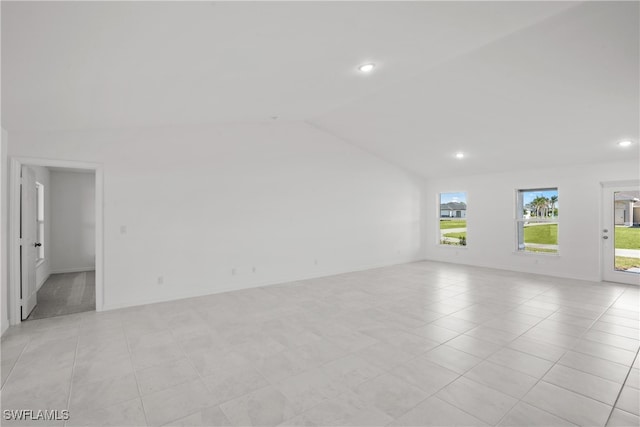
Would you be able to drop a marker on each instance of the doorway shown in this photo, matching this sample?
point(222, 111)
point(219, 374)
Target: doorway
point(621, 233)
point(42, 285)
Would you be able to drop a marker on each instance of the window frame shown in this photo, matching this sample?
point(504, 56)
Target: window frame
point(520, 220)
point(40, 222)
point(439, 218)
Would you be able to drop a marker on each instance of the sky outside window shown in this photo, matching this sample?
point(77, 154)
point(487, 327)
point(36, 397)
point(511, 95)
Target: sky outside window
point(453, 197)
point(528, 196)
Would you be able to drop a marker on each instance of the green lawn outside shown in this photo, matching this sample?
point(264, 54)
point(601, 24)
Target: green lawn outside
point(624, 263)
point(552, 251)
point(452, 223)
point(546, 234)
point(457, 235)
point(627, 237)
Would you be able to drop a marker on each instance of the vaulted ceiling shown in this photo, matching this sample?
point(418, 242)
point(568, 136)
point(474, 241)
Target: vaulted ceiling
point(512, 84)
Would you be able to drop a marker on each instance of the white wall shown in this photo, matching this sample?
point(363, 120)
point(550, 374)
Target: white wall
point(73, 224)
point(4, 234)
point(195, 204)
point(491, 214)
point(44, 268)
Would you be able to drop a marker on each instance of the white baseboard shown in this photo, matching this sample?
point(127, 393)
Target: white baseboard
point(72, 270)
point(517, 269)
point(43, 280)
point(259, 284)
point(5, 326)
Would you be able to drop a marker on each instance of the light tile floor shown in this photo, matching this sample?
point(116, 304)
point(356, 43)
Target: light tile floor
point(416, 344)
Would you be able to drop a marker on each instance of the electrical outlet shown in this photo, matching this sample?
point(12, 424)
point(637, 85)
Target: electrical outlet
point(253, 269)
point(123, 229)
point(160, 280)
point(233, 271)
point(315, 262)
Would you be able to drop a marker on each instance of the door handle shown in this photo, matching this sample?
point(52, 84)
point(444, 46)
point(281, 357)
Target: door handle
point(37, 245)
point(605, 237)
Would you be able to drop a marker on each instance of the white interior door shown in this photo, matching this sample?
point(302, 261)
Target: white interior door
point(621, 234)
point(28, 248)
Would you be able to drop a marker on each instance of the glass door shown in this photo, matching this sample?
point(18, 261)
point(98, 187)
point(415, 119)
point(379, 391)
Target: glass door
point(621, 234)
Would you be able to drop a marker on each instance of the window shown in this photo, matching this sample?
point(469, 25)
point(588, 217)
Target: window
point(537, 220)
point(453, 219)
point(40, 220)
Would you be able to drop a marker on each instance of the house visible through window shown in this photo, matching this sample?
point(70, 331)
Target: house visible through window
point(453, 219)
point(40, 220)
point(537, 215)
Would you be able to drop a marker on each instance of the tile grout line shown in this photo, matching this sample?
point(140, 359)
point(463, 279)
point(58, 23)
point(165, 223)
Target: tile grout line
point(200, 377)
point(346, 354)
point(15, 363)
point(267, 381)
point(462, 375)
point(563, 354)
point(483, 359)
point(135, 374)
point(385, 371)
point(519, 336)
point(503, 347)
point(613, 407)
point(73, 369)
point(112, 404)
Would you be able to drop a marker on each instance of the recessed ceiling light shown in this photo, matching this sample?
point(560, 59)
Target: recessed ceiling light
point(367, 68)
point(625, 143)
point(459, 155)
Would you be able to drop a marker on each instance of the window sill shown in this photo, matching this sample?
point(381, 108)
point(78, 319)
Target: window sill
point(526, 253)
point(438, 245)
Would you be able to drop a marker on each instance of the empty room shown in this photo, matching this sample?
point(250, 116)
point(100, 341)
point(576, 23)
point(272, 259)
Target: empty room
point(320, 213)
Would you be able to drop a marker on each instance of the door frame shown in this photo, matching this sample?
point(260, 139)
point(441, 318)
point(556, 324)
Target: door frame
point(605, 187)
point(14, 227)
point(29, 258)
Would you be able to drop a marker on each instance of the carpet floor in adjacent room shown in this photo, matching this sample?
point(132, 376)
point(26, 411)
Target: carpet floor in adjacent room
point(66, 293)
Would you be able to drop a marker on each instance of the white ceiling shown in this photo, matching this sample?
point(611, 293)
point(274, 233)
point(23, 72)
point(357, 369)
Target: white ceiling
point(513, 84)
